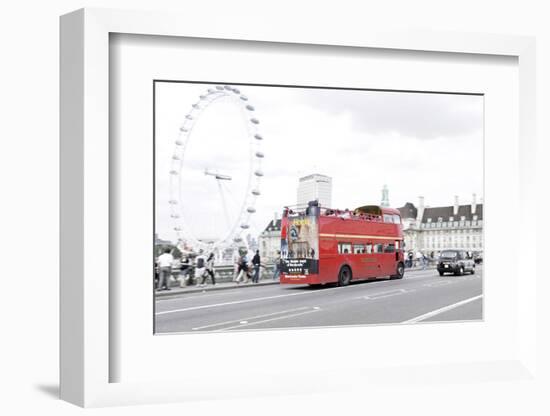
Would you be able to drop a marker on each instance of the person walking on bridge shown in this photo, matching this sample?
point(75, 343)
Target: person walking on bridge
point(256, 263)
point(165, 261)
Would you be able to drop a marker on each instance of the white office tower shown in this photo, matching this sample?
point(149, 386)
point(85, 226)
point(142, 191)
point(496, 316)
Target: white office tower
point(315, 187)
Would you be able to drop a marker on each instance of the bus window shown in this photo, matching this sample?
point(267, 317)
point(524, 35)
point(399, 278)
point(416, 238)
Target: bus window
point(388, 218)
point(358, 248)
point(396, 219)
point(389, 248)
point(378, 248)
point(344, 248)
point(369, 248)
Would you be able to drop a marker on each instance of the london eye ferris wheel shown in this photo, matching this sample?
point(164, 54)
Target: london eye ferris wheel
point(212, 201)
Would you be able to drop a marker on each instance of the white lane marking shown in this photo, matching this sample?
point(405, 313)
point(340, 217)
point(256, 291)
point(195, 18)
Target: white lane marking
point(236, 302)
point(243, 322)
point(386, 294)
point(438, 283)
point(207, 295)
point(468, 277)
point(248, 318)
point(268, 320)
point(441, 310)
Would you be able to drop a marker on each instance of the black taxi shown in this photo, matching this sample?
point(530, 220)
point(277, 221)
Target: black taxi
point(457, 262)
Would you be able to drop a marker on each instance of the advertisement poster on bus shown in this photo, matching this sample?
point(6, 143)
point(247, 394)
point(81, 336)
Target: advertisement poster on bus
point(300, 245)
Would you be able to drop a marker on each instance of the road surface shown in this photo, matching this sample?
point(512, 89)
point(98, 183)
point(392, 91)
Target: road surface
point(421, 296)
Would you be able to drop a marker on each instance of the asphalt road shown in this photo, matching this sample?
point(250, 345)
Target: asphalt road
point(421, 296)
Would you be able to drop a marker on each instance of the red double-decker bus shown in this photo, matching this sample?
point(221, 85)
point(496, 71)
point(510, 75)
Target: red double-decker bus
point(321, 245)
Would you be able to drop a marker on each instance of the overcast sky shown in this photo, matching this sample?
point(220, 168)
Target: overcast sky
point(417, 144)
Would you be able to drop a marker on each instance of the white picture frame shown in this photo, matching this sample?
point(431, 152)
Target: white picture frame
point(86, 353)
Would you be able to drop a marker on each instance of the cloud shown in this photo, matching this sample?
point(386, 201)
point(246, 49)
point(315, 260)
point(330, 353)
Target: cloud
point(419, 115)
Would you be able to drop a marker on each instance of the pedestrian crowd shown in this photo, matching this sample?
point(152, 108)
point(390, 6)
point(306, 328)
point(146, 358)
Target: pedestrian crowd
point(245, 270)
point(418, 259)
point(196, 269)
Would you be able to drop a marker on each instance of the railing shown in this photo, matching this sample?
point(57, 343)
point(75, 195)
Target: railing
point(224, 273)
point(298, 210)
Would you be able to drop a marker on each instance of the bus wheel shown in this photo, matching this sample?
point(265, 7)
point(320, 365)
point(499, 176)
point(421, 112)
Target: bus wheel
point(344, 277)
point(399, 272)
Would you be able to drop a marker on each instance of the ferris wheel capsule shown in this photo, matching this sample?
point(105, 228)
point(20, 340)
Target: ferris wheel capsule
point(256, 192)
point(245, 226)
point(259, 173)
point(255, 121)
point(258, 137)
point(259, 154)
point(249, 108)
point(251, 210)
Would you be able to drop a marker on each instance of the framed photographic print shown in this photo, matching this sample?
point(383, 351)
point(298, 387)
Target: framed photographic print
point(223, 169)
point(310, 200)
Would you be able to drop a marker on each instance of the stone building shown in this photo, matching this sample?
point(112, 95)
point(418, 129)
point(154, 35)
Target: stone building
point(433, 229)
point(269, 240)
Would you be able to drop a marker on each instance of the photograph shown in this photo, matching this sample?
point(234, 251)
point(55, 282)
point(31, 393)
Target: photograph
point(293, 207)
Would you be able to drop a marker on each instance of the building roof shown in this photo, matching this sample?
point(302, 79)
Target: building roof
point(273, 225)
point(408, 211)
point(446, 212)
point(314, 175)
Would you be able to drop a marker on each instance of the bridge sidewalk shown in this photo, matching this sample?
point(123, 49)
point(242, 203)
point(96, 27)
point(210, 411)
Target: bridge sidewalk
point(176, 290)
